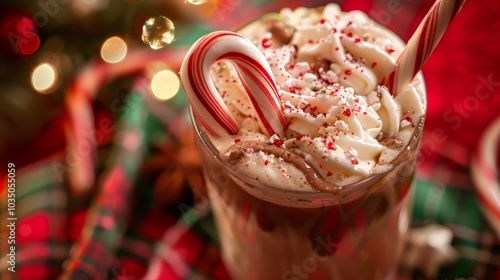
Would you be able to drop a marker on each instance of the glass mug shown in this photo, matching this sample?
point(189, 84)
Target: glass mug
point(270, 233)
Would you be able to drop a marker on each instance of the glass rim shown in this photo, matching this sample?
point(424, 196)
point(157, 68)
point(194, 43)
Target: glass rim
point(344, 190)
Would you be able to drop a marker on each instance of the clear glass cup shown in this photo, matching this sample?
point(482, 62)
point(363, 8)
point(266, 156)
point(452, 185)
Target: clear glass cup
point(270, 233)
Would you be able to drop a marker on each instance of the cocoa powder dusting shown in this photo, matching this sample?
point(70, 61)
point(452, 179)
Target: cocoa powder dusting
point(392, 143)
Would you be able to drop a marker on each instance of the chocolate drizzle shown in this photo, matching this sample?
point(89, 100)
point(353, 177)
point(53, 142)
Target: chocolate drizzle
point(280, 31)
point(234, 154)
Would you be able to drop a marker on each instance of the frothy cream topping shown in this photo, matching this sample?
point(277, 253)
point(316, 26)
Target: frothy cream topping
point(328, 76)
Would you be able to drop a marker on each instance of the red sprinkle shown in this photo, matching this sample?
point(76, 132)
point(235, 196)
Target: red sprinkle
point(237, 140)
point(278, 142)
point(349, 34)
point(374, 64)
point(408, 118)
point(337, 48)
point(266, 162)
point(329, 174)
point(347, 113)
point(347, 72)
point(390, 51)
point(322, 21)
point(266, 42)
point(331, 146)
point(355, 161)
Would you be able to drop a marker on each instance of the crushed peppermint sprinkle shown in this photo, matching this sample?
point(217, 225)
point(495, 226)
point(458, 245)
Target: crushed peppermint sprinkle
point(276, 141)
point(329, 101)
point(266, 42)
point(406, 122)
point(331, 146)
point(408, 118)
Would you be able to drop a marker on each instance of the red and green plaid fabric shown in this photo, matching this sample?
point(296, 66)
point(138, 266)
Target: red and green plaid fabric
point(118, 234)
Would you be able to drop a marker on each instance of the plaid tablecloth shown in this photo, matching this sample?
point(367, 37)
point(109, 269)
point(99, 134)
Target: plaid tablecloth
point(118, 233)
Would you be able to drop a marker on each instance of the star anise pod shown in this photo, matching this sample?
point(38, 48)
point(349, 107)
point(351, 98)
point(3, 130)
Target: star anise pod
point(175, 166)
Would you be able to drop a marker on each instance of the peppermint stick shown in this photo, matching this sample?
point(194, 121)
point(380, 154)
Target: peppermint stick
point(422, 43)
point(485, 174)
point(255, 75)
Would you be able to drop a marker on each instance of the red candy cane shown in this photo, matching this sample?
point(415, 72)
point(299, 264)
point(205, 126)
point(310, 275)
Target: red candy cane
point(422, 43)
point(79, 124)
point(255, 75)
point(485, 174)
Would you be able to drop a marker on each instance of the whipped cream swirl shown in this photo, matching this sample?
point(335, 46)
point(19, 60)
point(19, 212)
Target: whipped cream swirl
point(328, 75)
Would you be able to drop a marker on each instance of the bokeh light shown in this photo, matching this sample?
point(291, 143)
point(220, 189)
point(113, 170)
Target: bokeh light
point(85, 7)
point(165, 84)
point(158, 32)
point(29, 43)
point(25, 25)
point(43, 77)
point(197, 2)
point(113, 50)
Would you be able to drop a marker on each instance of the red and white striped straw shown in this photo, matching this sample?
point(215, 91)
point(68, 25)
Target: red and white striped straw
point(485, 174)
point(422, 43)
point(255, 75)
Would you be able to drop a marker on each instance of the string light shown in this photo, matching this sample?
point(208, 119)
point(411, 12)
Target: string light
point(165, 84)
point(197, 2)
point(113, 50)
point(43, 77)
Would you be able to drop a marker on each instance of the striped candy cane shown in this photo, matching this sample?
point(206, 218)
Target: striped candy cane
point(79, 121)
point(485, 174)
point(422, 43)
point(255, 75)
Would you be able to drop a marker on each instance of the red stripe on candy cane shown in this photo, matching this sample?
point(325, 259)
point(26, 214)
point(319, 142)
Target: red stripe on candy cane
point(263, 85)
point(422, 43)
point(207, 101)
point(485, 174)
point(255, 75)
